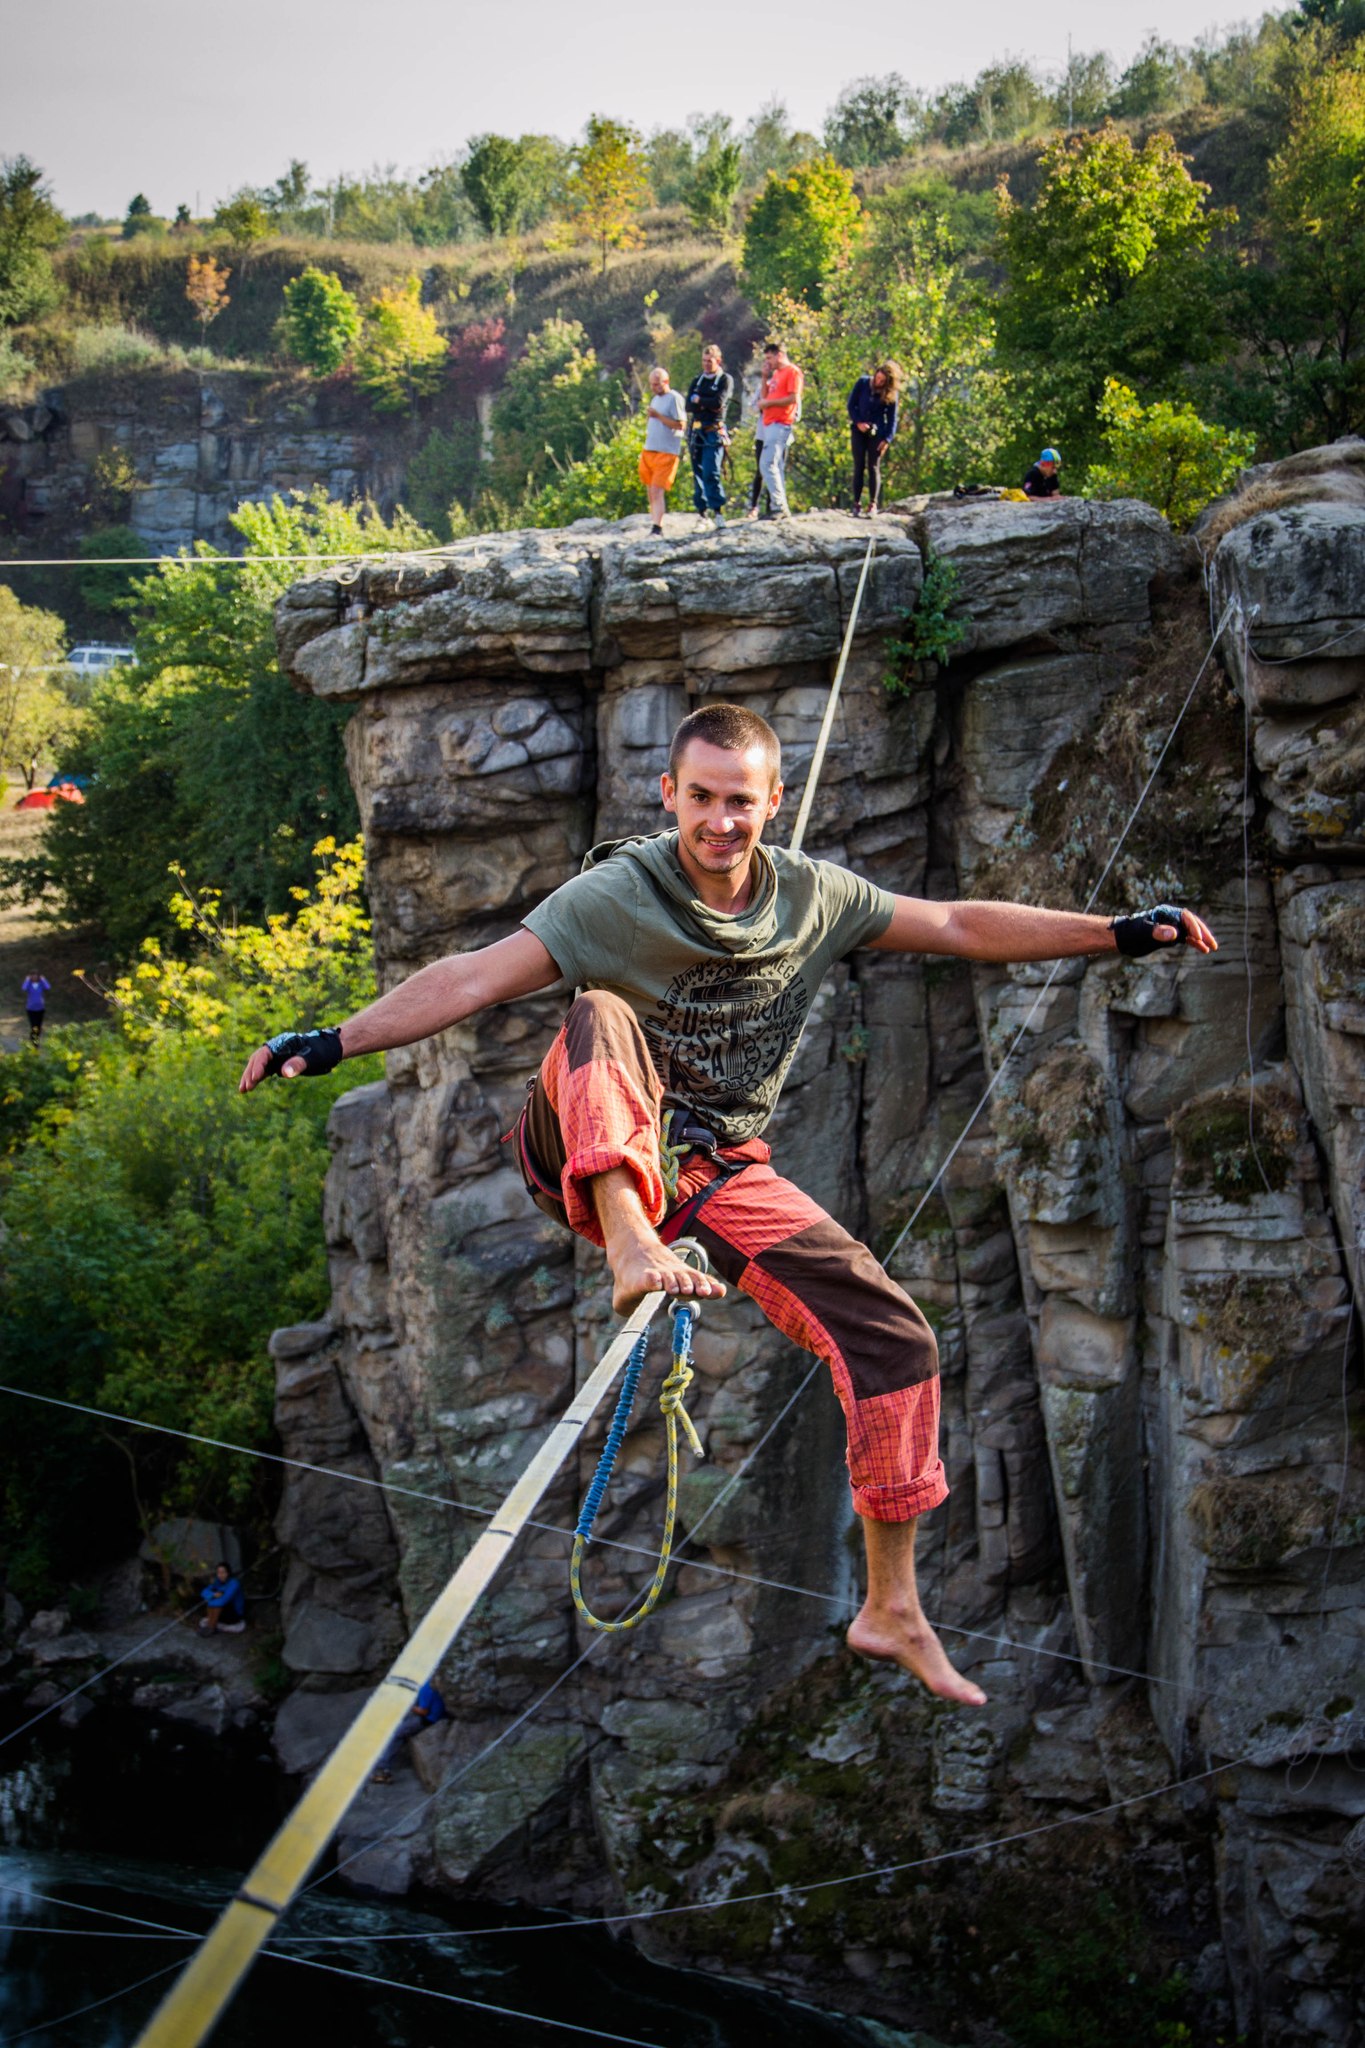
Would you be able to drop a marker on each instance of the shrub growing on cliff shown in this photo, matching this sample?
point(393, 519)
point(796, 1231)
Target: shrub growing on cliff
point(402, 356)
point(1164, 454)
point(321, 320)
point(157, 1227)
point(30, 225)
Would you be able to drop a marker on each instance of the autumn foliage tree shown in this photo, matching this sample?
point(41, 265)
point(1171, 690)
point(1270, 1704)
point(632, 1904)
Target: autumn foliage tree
point(609, 186)
point(206, 290)
point(402, 355)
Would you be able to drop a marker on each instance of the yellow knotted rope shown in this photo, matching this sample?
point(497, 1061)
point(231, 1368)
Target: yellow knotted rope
point(671, 1396)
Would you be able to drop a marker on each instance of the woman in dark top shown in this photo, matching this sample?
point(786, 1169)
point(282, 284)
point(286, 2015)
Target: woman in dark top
point(873, 404)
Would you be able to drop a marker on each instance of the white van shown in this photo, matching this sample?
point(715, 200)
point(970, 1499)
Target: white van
point(96, 656)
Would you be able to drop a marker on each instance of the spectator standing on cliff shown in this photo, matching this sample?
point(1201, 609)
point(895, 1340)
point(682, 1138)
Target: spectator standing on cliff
point(708, 402)
point(756, 487)
point(225, 1604)
point(873, 409)
point(665, 418)
point(426, 1710)
point(1041, 479)
point(780, 405)
point(35, 989)
point(697, 955)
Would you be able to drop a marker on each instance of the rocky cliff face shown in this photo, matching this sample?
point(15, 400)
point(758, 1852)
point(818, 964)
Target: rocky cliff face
point(1138, 1264)
point(198, 447)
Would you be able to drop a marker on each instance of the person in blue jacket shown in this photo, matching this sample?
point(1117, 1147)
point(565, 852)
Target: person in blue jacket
point(426, 1710)
point(226, 1604)
point(873, 406)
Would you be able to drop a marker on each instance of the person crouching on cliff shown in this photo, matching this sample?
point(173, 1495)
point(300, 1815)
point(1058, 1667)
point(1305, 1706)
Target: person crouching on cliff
point(665, 417)
point(688, 948)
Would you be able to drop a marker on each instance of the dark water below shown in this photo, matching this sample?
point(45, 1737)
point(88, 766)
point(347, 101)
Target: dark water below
point(138, 1819)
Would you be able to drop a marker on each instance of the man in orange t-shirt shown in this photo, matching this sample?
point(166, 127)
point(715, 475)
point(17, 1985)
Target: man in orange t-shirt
point(780, 406)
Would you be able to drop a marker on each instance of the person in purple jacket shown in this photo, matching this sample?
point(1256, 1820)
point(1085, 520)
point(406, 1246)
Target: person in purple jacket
point(34, 990)
point(873, 405)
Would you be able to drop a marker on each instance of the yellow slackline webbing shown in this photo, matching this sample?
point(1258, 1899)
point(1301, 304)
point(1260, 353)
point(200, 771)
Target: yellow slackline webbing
point(197, 1999)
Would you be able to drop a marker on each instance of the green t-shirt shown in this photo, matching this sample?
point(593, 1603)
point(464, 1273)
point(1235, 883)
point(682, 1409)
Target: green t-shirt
point(721, 1000)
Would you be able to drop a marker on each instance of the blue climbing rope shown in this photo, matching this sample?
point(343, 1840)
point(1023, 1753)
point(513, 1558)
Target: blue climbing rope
point(671, 1394)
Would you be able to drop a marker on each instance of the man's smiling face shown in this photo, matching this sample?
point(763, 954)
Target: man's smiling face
point(722, 799)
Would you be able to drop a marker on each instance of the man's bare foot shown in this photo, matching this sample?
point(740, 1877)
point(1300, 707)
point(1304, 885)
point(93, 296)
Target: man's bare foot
point(644, 1265)
point(895, 1639)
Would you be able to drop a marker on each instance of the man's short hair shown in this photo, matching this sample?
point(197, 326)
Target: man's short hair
point(731, 726)
point(773, 348)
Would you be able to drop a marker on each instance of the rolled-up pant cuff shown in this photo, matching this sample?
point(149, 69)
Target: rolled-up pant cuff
point(904, 1502)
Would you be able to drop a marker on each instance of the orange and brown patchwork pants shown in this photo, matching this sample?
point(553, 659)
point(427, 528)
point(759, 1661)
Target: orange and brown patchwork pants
point(596, 1104)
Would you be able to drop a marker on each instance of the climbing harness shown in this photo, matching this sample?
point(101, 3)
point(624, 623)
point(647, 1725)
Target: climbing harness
point(684, 1314)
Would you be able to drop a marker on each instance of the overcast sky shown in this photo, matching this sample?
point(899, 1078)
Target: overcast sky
point(150, 96)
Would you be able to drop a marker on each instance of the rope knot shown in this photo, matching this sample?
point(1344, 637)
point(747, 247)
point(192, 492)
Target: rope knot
point(671, 1394)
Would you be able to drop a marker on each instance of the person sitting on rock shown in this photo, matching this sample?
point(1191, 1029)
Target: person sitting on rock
point(225, 1603)
point(426, 1710)
point(698, 954)
point(1041, 479)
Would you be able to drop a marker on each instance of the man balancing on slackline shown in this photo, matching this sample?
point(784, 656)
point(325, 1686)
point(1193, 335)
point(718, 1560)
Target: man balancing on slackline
point(697, 955)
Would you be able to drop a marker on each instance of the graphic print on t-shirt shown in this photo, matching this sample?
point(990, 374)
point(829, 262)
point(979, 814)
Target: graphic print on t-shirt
point(724, 1027)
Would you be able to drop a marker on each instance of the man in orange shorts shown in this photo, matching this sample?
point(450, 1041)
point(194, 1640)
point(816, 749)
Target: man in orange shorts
point(664, 422)
point(697, 955)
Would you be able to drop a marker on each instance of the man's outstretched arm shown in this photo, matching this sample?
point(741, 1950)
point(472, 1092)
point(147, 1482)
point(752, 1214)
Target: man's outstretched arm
point(431, 999)
point(1018, 931)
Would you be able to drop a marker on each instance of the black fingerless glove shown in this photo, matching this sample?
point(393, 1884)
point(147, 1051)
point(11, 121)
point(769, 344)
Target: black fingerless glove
point(320, 1051)
point(1136, 937)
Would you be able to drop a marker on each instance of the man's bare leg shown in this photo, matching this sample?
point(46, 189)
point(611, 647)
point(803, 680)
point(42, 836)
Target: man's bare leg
point(891, 1623)
point(641, 1263)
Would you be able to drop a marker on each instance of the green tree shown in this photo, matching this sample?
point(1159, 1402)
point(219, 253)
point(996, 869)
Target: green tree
point(35, 715)
point(1160, 80)
point(30, 225)
point(402, 354)
point(206, 756)
point(772, 144)
point(1107, 273)
point(321, 320)
point(157, 1228)
point(609, 186)
point(244, 221)
point(1310, 334)
point(443, 477)
point(1165, 454)
point(714, 187)
point(868, 122)
point(604, 484)
point(553, 406)
point(496, 179)
point(799, 229)
point(139, 219)
point(905, 295)
point(104, 589)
